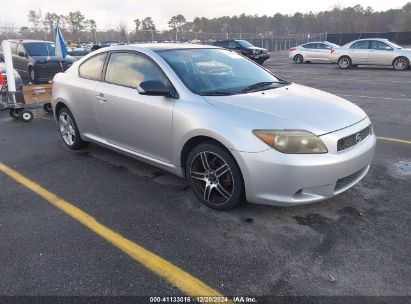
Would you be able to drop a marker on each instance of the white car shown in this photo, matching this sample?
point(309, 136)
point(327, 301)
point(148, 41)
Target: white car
point(312, 51)
point(372, 51)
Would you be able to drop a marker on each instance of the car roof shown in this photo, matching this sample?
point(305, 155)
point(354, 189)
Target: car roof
point(377, 39)
point(161, 46)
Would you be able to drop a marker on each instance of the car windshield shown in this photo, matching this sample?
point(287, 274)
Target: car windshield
point(395, 46)
point(219, 72)
point(245, 44)
point(40, 48)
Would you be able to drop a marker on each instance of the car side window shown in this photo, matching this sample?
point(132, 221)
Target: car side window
point(378, 45)
point(360, 45)
point(92, 67)
point(232, 44)
point(20, 49)
point(130, 69)
point(310, 46)
point(324, 46)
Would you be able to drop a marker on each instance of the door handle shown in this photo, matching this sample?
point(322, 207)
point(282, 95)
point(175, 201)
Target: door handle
point(101, 98)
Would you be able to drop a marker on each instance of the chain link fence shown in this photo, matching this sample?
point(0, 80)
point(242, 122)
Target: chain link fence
point(268, 41)
point(402, 38)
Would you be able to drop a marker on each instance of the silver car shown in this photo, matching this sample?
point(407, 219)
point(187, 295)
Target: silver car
point(232, 128)
point(372, 52)
point(312, 51)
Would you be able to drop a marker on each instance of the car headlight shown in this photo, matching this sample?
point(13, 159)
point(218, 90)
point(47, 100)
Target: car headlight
point(292, 141)
point(255, 52)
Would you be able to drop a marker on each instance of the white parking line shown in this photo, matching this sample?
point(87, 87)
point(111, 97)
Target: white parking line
point(373, 97)
point(354, 79)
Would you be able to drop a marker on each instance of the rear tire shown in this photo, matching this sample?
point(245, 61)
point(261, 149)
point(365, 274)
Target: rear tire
point(15, 113)
point(69, 131)
point(214, 176)
point(47, 107)
point(298, 59)
point(400, 64)
point(344, 62)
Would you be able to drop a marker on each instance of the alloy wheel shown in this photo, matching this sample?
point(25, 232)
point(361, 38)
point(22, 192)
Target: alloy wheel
point(400, 64)
point(344, 62)
point(67, 128)
point(212, 177)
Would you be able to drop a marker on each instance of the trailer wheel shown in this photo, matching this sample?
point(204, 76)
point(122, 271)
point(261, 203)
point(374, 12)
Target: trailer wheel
point(15, 113)
point(26, 116)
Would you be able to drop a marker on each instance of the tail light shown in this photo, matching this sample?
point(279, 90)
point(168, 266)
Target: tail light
point(292, 49)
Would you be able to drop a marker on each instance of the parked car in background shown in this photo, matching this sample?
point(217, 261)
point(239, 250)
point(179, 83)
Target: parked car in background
point(170, 104)
point(36, 60)
point(78, 53)
point(244, 48)
point(372, 51)
point(312, 51)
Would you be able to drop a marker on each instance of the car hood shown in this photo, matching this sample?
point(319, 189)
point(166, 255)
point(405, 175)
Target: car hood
point(291, 107)
point(256, 48)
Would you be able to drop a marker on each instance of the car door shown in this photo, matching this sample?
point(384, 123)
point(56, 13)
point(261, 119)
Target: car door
point(323, 52)
point(359, 52)
point(381, 53)
point(309, 50)
point(136, 122)
point(84, 95)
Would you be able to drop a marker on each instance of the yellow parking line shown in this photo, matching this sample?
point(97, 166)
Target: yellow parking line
point(395, 140)
point(188, 284)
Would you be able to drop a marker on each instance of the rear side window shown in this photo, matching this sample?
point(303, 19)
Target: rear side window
point(310, 46)
point(130, 69)
point(92, 68)
point(360, 45)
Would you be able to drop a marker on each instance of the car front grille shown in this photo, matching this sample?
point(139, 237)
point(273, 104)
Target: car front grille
point(345, 181)
point(353, 139)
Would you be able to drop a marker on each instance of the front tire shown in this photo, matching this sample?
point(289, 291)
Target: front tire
point(400, 64)
point(32, 76)
point(214, 176)
point(69, 131)
point(344, 62)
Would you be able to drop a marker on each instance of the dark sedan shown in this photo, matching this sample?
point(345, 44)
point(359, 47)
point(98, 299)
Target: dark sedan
point(244, 48)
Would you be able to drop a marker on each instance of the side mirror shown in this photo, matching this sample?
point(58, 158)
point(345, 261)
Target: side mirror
point(22, 54)
point(153, 88)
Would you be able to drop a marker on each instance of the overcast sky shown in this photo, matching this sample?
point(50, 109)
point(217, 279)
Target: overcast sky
point(109, 13)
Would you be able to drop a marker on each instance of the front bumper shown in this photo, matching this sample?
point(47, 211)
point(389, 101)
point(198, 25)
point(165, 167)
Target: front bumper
point(274, 178)
point(259, 57)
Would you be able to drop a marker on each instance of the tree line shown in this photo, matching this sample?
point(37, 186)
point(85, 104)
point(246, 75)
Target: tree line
point(336, 20)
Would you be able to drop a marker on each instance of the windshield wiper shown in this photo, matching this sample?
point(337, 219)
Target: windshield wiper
point(262, 84)
point(215, 93)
